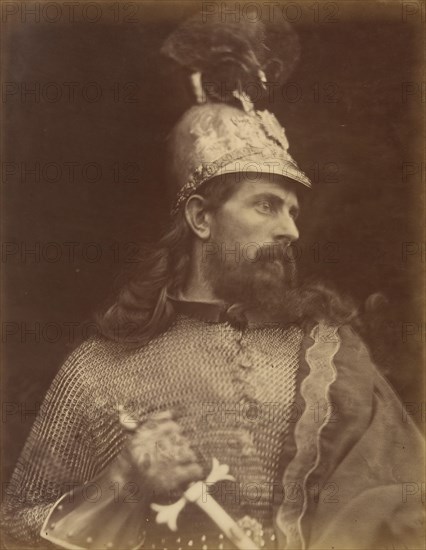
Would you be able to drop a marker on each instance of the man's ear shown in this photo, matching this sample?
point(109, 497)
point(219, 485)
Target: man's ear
point(197, 216)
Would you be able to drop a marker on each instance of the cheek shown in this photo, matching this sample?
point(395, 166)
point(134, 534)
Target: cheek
point(242, 228)
point(233, 228)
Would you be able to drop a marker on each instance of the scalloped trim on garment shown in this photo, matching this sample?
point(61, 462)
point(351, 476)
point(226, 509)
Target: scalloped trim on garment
point(314, 390)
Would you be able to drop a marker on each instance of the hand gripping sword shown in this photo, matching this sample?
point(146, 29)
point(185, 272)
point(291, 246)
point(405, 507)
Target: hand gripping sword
point(197, 494)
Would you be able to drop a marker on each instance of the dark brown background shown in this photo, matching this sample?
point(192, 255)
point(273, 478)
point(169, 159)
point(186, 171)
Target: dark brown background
point(368, 212)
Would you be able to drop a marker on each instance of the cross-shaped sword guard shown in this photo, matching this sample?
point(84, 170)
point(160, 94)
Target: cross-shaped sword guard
point(169, 513)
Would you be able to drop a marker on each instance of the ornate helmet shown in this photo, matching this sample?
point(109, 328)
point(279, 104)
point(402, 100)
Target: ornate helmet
point(224, 133)
point(215, 139)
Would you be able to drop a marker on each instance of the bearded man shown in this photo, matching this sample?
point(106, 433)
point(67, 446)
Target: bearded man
point(212, 355)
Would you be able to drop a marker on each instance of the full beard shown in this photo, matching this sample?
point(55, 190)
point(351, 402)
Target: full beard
point(267, 284)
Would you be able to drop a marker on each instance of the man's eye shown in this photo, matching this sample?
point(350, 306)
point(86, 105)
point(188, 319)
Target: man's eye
point(265, 206)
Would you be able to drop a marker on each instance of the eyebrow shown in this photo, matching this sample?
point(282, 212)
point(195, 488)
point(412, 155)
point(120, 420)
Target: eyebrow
point(275, 200)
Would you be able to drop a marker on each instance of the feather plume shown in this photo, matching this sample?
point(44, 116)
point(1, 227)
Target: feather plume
point(233, 60)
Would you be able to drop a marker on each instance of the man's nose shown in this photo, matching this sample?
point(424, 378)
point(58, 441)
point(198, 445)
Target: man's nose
point(286, 229)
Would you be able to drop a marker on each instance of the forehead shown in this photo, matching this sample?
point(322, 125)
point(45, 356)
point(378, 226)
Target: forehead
point(251, 185)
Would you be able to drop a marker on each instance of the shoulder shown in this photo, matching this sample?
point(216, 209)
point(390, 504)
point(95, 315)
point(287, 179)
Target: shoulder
point(89, 365)
point(99, 362)
point(86, 356)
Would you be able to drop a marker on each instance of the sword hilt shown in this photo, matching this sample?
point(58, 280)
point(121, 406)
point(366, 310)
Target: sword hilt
point(196, 493)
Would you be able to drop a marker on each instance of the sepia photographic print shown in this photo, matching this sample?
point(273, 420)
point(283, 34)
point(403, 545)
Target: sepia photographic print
point(212, 264)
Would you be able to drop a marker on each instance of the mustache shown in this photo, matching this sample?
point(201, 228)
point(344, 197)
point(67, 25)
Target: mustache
point(250, 252)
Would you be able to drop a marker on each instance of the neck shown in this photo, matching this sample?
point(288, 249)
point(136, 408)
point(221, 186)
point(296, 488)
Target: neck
point(197, 288)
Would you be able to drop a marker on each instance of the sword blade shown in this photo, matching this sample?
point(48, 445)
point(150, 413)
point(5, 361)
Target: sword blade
point(224, 521)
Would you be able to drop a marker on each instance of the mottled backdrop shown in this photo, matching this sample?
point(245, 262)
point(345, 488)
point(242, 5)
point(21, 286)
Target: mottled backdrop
point(87, 106)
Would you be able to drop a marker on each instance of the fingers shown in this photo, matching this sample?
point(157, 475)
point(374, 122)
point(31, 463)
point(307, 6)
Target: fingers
point(185, 455)
point(173, 478)
point(169, 414)
point(162, 420)
point(155, 434)
point(186, 474)
point(156, 419)
point(175, 449)
point(162, 438)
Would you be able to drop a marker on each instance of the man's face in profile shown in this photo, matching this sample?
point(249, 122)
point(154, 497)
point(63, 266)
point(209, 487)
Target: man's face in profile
point(247, 258)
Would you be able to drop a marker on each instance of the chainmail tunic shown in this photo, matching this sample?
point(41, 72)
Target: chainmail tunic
point(233, 388)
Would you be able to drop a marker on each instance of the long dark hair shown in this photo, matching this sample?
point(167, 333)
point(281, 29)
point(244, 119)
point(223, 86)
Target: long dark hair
point(140, 309)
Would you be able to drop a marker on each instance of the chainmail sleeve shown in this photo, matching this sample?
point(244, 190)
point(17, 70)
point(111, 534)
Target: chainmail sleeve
point(59, 453)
